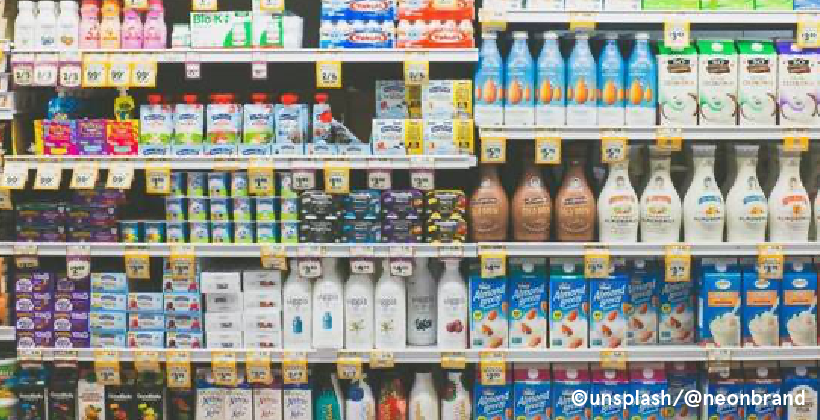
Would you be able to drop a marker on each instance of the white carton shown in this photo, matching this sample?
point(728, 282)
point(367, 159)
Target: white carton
point(223, 302)
point(757, 83)
point(262, 340)
point(210, 404)
point(797, 85)
point(267, 301)
point(220, 282)
point(223, 339)
point(267, 404)
point(223, 321)
point(90, 399)
point(262, 281)
point(677, 86)
point(717, 82)
point(238, 404)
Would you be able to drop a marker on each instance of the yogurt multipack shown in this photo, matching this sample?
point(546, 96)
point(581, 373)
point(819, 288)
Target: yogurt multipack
point(719, 304)
point(569, 304)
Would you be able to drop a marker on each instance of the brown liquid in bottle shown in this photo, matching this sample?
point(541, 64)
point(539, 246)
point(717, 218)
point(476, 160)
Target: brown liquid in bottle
point(489, 208)
point(575, 205)
point(531, 204)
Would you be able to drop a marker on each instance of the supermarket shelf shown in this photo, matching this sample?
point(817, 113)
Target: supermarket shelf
point(694, 132)
point(712, 17)
point(7, 333)
point(565, 249)
point(97, 249)
point(431, 355)
point(6, 115)
point(241, 162)
point(302, 55)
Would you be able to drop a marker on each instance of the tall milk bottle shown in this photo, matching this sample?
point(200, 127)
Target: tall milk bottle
point(611, 83)
point(618, 208)
point(489, 83)
point(519, 102)
point(452, 308)
point(789, 207)
point(704, 211)
point(390, 311)
point(68, 26)
point(423, 401)
point(25, 34)
point(642, 84)
point(747, 209)
point(421, 306)
point(328, 308)
point(551, 101)
point(46, 29)
point(660, 203)
point(358, 310)
point(297, 295)
point(582, 83)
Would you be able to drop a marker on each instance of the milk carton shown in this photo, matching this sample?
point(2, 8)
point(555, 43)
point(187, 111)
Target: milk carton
point(531, 391)
point(719, 304)
point(609, 301)
point(645, 380)
point(761, 297)
point(682, 377)
point(677, 85)
point(797, 84)
point(677, 313)
point(528, 302)
point(717, 82)
point(762, 378)
point(566, 379)
point(798, 314)
point(606, 384)
point(725, 383)
point(569, 305)
point(757, 82)
point(488, 309)
point(493, 401)
point(643, 306)
point(801, 380)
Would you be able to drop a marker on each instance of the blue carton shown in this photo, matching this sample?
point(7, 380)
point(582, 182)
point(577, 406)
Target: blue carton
point(608, 299)
point(647, 379)
point(761, 297)
point(610, 382)
point(798, 317)
point(644, 304)
point(531, 391)
point(566, 379)
point(488, 308)
point(719, 323)
point(493, 401)
point(528, 302)
point(569, 305)
point(763, 379)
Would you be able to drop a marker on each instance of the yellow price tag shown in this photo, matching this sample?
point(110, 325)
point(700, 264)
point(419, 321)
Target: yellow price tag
point(144, 71)
point(581, 21)
point(257, 367)
point(596, 263)
point(25, 256)
point(676, 33)
point(329, 74)
point(294, 368)
point(120, 176)
point(273, 257)
point(178, 368)
point(95, 71)
point(382, 359)
point(107, 367)
point(493, 261)
point(48, 176)
point(182, 262)
point(548, 150)
point(5, 199)
point(770, 261)
point(204, 5)
point(493, 19)
point(416, 72)
point(669, 139)
point(453, 360)
point(613, 359)
point(119, 70)
point(808, 31)
point(260, 179)
point(146, 361)
point(137, 264)
point(678, 263)
point(493, 150)
point(337, 178)
point(613, 149)
point(84, 176)
point(272, 6)
point(223, 368)
point(158, 180)
point(349, 366)
point(493, 368)
point(796, 141)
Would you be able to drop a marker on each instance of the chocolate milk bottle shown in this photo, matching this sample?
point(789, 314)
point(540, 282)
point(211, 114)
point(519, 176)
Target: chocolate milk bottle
point(575, 204)
point(531, 204)
point(489, 208)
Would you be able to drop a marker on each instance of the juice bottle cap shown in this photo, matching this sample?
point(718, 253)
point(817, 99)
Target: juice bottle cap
point(289, 98)
point(321, 98)
point(520, 35)
point(550, 35)
point(259, 98)
point(155, 99)
point(220, 98)
point(189, 98)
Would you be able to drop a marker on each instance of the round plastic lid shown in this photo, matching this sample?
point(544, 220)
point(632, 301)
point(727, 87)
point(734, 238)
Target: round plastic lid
point(289, 98)
point(155, 99)
point(220, 98)
point(259, 98)
point(321, 98)
point(189, 98)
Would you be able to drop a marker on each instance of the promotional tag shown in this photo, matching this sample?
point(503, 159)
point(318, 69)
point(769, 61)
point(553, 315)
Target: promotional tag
point(678, 263)
point(273, 257)
point(770, 261)
point(260, 179)
point(78, 262)
point(158, 180)
point(178, 368)
point(204, 5)
point(796, 141)
point(71, 70)
point(493, 368)
point(669, 139)
point(493, 262)
point(120, 176)
point(107, 367)
point(808, 31)
point(223, 368)
point(294, 368)
point(613, 149)
point(379, 179)
point(401, 267)
point(119, 71)
point(259, 70)
point(95, 71)
point(337, 178)
point(144, 71)
point(137, 264)
point(304, 179)
point(309, 267)
point(362, 266)
point(676, 32)
point(146, 361)
point(349, 366)
point(328, 74)
point(257, 367)
point(25, 256)
point(46, 70)
point(453, 360)
point(15, 175)
point(596, 263)
point(84, 176)
point(581, 21)
point(48, 176)
point(272, 6)
point(493, 19)
point(382, 359)
point(5, 199)
point(182, 262)
point(548, 150)
point(493, 150)
point(613, 359)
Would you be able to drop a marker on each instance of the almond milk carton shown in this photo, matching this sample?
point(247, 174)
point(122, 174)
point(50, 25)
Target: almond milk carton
point(609, 303)
point(528, 302)
point(569, 304)
point(566, 379)
point(644, 302)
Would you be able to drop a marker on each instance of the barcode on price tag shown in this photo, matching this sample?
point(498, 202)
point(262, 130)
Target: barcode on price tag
point(596, 263)
point(493, 368)
point(678, 263)
point(193, 70)
point(328, 74)
point(548, 150)
point(770, 261)
point(48, 176)
point(416, 72)
point(294, 367)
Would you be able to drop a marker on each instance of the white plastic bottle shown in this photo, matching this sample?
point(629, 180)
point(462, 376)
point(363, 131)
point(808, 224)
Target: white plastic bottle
point(747, 209)
point(68, 26)
point(110, 26)
point(359, 401)
point(618, 209)
point(297, 295)
point(452, 308)
point(789, 207)
point(660, 203)
point(328, 308)
point(359, 312)
point(455, 400)
point(421, 306)
point(390, 311)
point(423, 401)
point(25, 26)
point(704, 211)
point(46, 25)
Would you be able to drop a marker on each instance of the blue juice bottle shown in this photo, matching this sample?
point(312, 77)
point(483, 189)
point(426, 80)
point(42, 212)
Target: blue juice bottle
point(582, 82)
point(642, 84)
point(551, 103)
point(611, 83)
point(519, 101)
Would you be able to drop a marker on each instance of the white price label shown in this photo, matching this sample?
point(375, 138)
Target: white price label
point(304, 179)
point(259, 70)
point(15, 175)
point(379, 179)
point(120, 177)
point(193, 71)
point(48, 176)
point(71, 74)
point(362, 266)
point(309, 268)
point(416, 72)
point(328, 74)
point(144, 71)
point(84, 176)
point(676, 33)
point(23, 73)
point(46, 70)
point(119, 71)
point(548, 150)
point(401, 267)
point(424, 180)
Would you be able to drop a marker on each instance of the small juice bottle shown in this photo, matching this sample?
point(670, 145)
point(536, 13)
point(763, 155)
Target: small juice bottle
point(110, 26)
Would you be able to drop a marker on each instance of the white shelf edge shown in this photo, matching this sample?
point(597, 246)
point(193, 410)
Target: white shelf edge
point(566, 249)
point(694, 132)
point(757, 17)
point(7, 333)
point(278, 161)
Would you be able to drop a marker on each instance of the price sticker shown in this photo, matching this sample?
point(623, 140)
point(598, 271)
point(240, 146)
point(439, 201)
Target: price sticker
point(796, 141)
point(676, 33)
point(107, 367)
point(337, 178)
point(146, 361)
point(379, 179)
point(144, 71)
point(204, 5)
point(493, 19)
point(613, 359)
point(84, 176)
point(30, 355)
point(770, 261)
point(401, 267)
point(257, 367)
point(669, 139)
point(451, 251)
point(25, 256)
point(808, 31)
point(493, 368)
point(136, 4)
point(416, 72)
point(15, 175)
point(137, 264)
point(273, 257)
point(178, 368)
point(22, 67)
point(304, 179)
point(5, 199)
point(69, 356)
point(182, 262)
point(193, 70)
point(119, 71)
point(493, 150)
point(596, 263)
point(158, 180)
point(678, 263)
point(424, 180)
point(382, 359)
point(453, 360)
point(78, 262)
point(294, 368)
point(362, 266)
point(46, 71)
point(493, 262)
point(260, 179)
point(328, 74)
point(223, 368)
point(309, 268)
point(259, 69)
point(95, 71)
point(613, 149)
point(71, 70)
point(48, 176)
point(120, 176)
point(581, 21)
point(272, 6)
point(548, 150)
point(349, 366)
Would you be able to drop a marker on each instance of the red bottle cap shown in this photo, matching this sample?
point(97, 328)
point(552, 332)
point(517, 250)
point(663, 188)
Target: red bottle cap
point(189, 98)
point(289, 98)
point(259, 98)
point(321, 98)
point(155, 99)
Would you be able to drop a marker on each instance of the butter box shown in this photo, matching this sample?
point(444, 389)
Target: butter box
point(262, 340)
point(184, 322)
point(262, 281)
point(109, 282)
point(145, 302)
point(220, 282)
point(105, 339)
point(227, 321)
point(261, 301)
point(183, 340)
point(260, 320)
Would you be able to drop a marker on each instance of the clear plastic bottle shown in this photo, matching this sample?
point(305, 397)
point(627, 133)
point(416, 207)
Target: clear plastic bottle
point(328, 308)
point(297, 297)
point(582, 83)
point(90, 25)
point(68, 26)
point(551, 105)
point(155, 33)
point(131, 30)
point(489, 83)
point(747, 209)
point(618, 207)
point(46, 25)
point(611, 83)
point(452, 308)
point(519, 95)
point(390, 311)
point(704, 210)
point(660, 203)
point(359, 401)
point(641, 84)
point(110, 27)
point(789, 206)
point(25, 26)
point(421, 306)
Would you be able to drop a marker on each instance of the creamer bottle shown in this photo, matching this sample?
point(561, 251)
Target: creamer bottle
point(359, 401)
point(551, 105)
point(25, 26)
point(421, 306)
point(519, 104)
point(618, 209)
point(297, 295)
point(390, 311)
point(660, 203)
point(582, 83)
point(531, 204)
point(704, 211)
point(110, 26)
point(68, 26)
point(131, 30)
point(642, 84)
point(452, 308)
point(90, 25)
point(611, 83)
point(747, 209)
point(455, 399)
point(328, 308)
point(423, 401)
point(575, 204)
point(489, 83)
point(489, 207)
point(154, 32)
point(358, 308)
point(789, 207)
point(46, 29)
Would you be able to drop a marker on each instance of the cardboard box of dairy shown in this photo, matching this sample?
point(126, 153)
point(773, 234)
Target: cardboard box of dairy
point(609, 382)
point(798, 310)
point(681, 377)
point(717, 82)
point(608, 300)
point(566, 379)
point(531, 391)
point(719, 304)
point(644, 304)
point(489, 309)
point(761, 300)
point(647, 378)
point(528, 302)
point(569, 305)
point(797, 84)
point(757, 82)
point(677, 85)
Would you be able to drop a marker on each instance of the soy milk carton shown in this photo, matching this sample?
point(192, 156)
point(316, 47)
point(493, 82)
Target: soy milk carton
point(717, 82)
point(677, 85)
point(609, 302)
point(643, 304)
point(757, 82)
point(488, 311)
point(798, 310)
point(719, 304)
point(566, 379)
point(606, 384)
point(528, 302)
point(569, 305)
point(761, 297)
point(797, 84)
point(532, 391)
